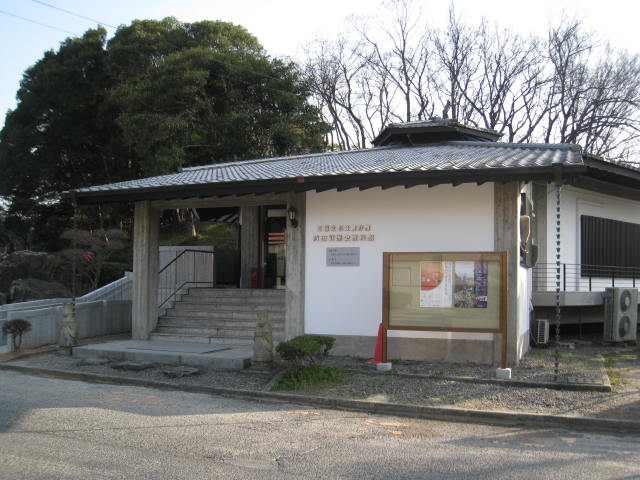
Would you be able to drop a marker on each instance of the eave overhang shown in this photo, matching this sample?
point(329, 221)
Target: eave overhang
point(611, 172)
point(566, 173)
point(609, 179)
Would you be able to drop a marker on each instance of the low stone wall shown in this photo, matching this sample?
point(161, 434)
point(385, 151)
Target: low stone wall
point(105, 317)
point(45, 326)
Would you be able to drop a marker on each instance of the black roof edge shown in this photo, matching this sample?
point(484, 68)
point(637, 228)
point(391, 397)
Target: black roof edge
point(610, 170)
point(302, 184)
point(438, 126)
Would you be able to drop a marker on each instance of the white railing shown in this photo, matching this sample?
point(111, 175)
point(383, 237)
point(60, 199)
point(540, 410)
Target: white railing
point(120, 289)
point(575, 277)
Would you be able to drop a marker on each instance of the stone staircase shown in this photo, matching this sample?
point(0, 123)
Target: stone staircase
point(221, 316)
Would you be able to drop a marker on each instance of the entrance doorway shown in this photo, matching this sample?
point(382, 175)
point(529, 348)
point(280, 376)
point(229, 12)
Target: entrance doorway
point(273, 250)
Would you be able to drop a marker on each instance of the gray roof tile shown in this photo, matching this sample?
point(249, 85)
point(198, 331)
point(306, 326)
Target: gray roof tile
point(452, 156)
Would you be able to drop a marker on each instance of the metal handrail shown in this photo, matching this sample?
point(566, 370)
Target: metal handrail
point(583, 277)
point(176, 288)
point(180, 255)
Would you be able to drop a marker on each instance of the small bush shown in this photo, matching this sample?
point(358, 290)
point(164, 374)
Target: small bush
point(16, 328)
point(305, 350)
point(302, 378)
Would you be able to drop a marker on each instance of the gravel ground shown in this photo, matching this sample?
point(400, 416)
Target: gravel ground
point(431, 383)
point(537, 366)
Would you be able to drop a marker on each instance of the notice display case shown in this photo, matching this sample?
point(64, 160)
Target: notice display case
point(445, 291)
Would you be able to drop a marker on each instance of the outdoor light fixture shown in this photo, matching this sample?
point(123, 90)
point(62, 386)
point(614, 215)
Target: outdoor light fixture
point(292, 213)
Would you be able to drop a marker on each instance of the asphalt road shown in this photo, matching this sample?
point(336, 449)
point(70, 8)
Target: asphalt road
point(65, 429)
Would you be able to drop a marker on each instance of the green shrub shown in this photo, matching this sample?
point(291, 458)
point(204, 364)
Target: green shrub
point(302, 378)
point(16, 328)
point(306, 349)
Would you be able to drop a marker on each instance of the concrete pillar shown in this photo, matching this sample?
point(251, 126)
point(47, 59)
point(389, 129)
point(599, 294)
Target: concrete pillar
point(294, 296)
point(249, 243)
point(145, 270)
point(507, 238)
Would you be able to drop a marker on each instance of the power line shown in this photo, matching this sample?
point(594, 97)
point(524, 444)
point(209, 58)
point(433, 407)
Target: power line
point(72, 13)
point(38, 23)
point(229, 65)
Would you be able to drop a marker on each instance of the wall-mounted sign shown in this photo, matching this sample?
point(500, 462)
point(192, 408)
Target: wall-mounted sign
point(343, 256)
point(350, 232)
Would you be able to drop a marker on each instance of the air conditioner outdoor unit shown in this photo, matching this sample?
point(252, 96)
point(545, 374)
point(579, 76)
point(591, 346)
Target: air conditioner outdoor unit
point(620, 314)
point(540, 331)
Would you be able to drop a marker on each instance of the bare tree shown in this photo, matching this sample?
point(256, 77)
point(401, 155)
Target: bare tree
point(333, 71)
point(402, 56)
point(563, 88)
point(457, 66)
point(592, 102)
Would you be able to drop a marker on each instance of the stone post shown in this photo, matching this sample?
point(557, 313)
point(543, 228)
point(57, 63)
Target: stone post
point(68, 328)
point(263, 341)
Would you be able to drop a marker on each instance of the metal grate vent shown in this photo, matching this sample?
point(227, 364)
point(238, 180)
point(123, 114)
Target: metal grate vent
point(541, 332)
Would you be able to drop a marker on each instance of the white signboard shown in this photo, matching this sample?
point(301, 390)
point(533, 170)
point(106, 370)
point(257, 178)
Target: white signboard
point(343, 257)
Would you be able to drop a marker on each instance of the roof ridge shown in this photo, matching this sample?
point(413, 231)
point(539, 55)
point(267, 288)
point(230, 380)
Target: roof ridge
point(286, 157)
point(557, 146)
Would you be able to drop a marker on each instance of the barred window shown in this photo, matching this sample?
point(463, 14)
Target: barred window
point(609, 247)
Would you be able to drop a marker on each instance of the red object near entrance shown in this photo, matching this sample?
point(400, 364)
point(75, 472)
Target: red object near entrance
point(377, 354)
point(255, 277)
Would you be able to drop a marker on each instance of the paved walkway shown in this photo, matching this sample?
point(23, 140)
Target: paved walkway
point(223, 357)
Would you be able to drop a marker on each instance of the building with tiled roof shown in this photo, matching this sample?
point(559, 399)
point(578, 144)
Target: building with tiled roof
point(433, 232)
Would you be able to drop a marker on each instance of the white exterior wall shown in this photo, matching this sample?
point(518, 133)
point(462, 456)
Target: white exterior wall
point(574, 203)
point(348, 300)
point(525, 296)
point(525, 293)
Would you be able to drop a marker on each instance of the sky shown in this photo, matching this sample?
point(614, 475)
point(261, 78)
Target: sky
point(282, 26)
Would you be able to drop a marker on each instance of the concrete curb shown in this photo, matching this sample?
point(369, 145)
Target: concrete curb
point(413, 411)
point(584, 387)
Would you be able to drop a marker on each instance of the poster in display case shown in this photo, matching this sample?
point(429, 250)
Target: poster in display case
point(445, 291)
point(459, 290)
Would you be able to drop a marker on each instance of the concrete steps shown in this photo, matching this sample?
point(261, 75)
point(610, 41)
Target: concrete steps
point(185, 336)
point(235, 293)
point(221, 316)
point(212, 313)
point(184, 305)
point(204, 323)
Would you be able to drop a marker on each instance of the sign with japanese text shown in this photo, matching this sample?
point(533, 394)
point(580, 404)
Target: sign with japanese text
point(343, 256)
point(347, 232)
